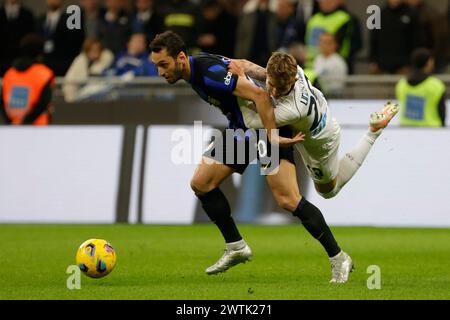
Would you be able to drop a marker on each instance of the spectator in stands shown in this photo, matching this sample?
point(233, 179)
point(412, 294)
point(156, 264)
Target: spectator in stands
point(305, 10)
point(182, 17)
point(436, 31)
point(92, 14)
point(257, 31)
point(356, 38)
point(115, 26)
point(448, 39)
point(15, 22)
point(217, 29)
point(92, 61)
point(134, 60)
point(61, 44)
point(288, 25)
point(335, 19)
point(233, 7)
point(421, 96)
point(391, 46)
point(330, 66)
point(146, 19)
point(27, 86)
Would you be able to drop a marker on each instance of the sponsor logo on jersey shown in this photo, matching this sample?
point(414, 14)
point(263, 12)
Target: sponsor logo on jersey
point(226, 60)
point(228, 78)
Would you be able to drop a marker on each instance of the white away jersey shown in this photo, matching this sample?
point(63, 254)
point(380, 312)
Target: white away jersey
point(304, 109)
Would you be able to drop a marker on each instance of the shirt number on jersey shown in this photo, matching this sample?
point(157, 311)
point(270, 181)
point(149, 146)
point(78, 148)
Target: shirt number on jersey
point(317, 115)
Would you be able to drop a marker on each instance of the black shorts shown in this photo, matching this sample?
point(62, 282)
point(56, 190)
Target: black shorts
point(238, 149)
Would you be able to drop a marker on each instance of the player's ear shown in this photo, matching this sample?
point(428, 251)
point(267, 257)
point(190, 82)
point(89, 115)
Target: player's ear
point(181, 56)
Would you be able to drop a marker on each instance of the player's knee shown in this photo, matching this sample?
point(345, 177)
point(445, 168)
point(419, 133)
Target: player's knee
point(287, 202)
point(196, 185)
point(199, 185)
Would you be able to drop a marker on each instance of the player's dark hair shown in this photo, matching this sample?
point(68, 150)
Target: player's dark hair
point(170, 41)
point(420, 57)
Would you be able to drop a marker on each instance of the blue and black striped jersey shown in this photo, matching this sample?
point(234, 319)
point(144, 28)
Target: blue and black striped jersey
point(213, 82)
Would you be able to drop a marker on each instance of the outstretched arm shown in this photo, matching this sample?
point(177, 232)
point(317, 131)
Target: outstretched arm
point(242, 66)
point(246, 90)
point(283, 116)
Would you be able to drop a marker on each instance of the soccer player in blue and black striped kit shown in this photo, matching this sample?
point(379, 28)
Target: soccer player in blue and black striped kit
point(209, 77)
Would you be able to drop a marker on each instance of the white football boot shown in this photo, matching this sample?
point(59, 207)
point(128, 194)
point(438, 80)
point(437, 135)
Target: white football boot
point(380, 120)
point(341, 266)
point(235, 253)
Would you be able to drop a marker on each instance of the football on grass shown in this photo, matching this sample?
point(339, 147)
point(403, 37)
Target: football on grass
point(96, 258)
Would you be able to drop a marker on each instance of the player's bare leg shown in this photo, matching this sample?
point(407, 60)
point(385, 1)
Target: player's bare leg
point(286, 192)
point(284, 186)
point(206, 181)
point(209, 175)
point(353, 160)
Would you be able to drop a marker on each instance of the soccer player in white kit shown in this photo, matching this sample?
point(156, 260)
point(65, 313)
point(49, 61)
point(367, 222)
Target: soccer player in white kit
point(305, 109)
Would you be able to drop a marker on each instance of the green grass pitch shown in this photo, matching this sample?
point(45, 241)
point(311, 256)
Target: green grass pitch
point(168, 262)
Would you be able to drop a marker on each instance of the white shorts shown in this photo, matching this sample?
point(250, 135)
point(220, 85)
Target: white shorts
point(321, 157)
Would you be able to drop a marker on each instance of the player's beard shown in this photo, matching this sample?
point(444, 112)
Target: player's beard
point(177, 74)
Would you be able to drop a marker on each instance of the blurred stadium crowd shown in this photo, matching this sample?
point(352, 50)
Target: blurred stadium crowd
point(323, 35)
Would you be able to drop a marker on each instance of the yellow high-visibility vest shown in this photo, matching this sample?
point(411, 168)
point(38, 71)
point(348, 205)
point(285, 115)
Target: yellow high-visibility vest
point(419, 104)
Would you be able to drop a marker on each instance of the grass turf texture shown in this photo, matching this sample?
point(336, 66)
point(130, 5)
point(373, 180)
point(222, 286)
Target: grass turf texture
point(168, 262)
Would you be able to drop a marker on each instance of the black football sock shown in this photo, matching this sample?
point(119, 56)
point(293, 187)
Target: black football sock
point(315, 224)
point(218, 210)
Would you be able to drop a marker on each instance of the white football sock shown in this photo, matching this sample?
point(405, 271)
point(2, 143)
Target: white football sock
point(352, 161)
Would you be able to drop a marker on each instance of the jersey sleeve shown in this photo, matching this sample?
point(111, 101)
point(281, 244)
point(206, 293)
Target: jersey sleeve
point(285, 114)
point(217, 77)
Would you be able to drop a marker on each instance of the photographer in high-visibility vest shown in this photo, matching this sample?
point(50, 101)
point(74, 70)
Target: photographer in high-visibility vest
point(27, 86)
point(421, 96)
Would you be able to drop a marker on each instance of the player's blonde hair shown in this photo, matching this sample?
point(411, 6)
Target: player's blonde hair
point(282, 70)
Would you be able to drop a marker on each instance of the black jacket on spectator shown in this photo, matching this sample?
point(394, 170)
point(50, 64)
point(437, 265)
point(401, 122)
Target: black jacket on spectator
point(91, 25)
point(11, 32)
point(436, 33)
point(352, 28)
point(114, 35)
point(62, 45)
point(224, 30)
point(151, 27)
point(256, 36)
point(400, 34)
point(302, 20)
point(448, 39)
point(187, 26)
